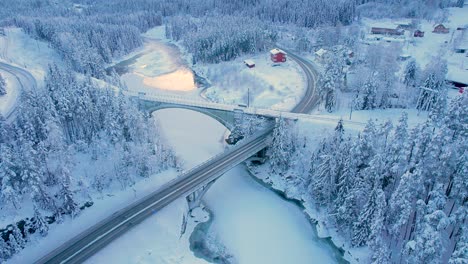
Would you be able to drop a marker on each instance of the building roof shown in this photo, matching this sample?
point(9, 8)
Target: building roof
point(387, 31)
point(249, 62)
point(276, 51)
point(320, 52)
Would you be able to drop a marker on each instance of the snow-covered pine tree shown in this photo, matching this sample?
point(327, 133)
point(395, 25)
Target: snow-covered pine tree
point(411, 73)
point(460, 253)
point(373, 174)
point(433, 92)
point(2, 86)
point(9, 193)
point(5, 250)
point(282, 147)
point(367, 96)
point(362, 227)
point(429, 243)
point(13, 245)
point(378, 242)
point(19, 238)
point(39, 223)
point(396, 159)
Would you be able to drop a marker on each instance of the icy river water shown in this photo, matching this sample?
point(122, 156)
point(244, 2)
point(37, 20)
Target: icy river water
point(253, 223)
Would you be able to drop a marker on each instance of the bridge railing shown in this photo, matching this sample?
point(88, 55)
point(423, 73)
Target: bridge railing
point(226, 107)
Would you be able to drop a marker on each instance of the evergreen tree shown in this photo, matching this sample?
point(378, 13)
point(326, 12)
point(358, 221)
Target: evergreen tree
point(5, 250)
point(2, 86)
point(282, 147)
point(460, 254)
point(367, 97)
point(39, 223)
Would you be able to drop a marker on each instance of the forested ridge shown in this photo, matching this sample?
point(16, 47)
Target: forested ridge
point(401, 191)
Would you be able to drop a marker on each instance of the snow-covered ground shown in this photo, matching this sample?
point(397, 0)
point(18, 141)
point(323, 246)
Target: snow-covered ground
point(8, 100)
point(102, 208)
point(432, 44)
point(161, 66)
point(195, 138)
point(254, 224)
point(23, 51)
point(278, 87)
point(257, 226)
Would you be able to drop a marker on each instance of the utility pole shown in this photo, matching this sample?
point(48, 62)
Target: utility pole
point(248, 97)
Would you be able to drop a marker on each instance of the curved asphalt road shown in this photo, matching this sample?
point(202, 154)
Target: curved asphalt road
point(81, 247)
point(25, 80)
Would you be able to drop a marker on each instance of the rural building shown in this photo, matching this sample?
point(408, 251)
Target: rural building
point(387, 31)
point(440, 29)
point(404, 25)
point(278, 55)
point(418, 33)
point(460, 41)
point(320, 55)
point(249, 63)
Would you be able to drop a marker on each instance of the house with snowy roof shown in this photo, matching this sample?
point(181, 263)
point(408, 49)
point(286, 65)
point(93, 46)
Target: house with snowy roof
point(277, 55)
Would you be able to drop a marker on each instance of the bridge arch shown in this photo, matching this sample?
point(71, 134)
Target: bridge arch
point(226, 118)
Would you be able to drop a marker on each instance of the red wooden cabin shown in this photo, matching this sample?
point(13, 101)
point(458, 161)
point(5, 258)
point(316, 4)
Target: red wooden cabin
point(277, 55)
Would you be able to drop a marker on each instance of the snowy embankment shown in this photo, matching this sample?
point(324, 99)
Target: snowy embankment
point(19, 49)
point(8, 100)
point(160, 238)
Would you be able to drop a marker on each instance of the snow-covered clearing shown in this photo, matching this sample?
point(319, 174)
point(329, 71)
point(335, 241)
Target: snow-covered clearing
point(23, 51)
point(432, 44)
point(8, 100)
point(278, 87)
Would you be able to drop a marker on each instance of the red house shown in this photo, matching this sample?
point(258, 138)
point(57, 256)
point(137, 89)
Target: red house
point(418, 34)
point(277, 55)
point(440, 29)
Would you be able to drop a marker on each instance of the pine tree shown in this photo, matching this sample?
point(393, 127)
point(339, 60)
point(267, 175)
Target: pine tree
point(282, 147)
point(378, 243)
point(39, 223)
point(19, 239)
point(5, 250)
point(367, 97)
point(362, 227)
point(2, 86)
point(429, 244)
point(9, 193)
point(460, 254)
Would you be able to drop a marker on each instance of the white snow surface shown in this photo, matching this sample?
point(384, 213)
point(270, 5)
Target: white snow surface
point(8, 100)
point(254, 224)
point(278, 87)
point(18, 49)
point(195, 138)
point(257, 226)
point(425, 48)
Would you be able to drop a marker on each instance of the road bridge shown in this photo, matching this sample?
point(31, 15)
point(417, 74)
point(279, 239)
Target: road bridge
point(95, 238)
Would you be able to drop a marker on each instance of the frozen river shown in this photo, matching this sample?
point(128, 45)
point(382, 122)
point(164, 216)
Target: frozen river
point(254, 223)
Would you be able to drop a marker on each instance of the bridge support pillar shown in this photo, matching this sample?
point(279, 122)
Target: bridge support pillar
point(260, 157)
point(194, 199)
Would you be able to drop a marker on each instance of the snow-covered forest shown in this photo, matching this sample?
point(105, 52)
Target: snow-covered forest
point(401, 191)
point(69, 124)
